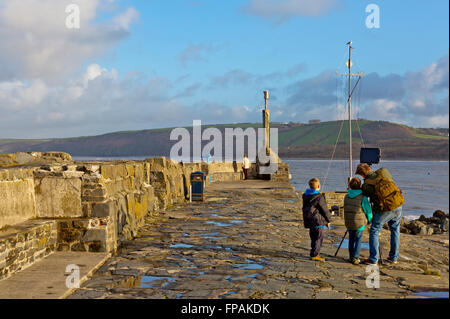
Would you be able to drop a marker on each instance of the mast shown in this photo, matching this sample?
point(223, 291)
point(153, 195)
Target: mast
point(350, 108)
point(349, 103)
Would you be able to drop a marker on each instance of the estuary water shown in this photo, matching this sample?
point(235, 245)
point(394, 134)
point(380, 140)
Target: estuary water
point(425, 184)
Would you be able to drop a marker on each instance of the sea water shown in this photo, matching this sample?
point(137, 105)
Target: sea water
point(424, 184)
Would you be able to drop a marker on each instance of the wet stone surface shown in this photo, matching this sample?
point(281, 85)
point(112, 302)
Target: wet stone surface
point(248, 241)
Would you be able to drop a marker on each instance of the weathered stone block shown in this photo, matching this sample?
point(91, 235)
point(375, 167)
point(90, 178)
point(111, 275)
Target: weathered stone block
point(58, 197)
point(104, 209)
point(97, 246)
point(96, 192)
point(80, 224)
point(94, 235)
point(17, 201)
point(108, 171)
point(69, 235)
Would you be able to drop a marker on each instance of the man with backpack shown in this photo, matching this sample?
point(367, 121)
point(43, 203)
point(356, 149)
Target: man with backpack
point(387, 201)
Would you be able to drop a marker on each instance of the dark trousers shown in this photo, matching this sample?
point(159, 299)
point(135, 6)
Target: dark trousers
point(246, 173)
point(316, 235)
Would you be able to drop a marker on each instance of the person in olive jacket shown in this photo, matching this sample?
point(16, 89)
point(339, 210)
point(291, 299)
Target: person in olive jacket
point(316, 216)
point(357, 213)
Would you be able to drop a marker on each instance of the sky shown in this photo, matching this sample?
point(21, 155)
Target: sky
point(142, 64)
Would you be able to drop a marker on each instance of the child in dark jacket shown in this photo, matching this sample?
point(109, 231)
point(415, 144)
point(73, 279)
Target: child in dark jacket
point(316, 216)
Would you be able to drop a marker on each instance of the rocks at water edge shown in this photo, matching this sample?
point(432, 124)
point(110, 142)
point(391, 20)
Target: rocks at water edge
point(437, 224)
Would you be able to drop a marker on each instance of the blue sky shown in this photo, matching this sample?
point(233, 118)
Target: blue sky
point(410, 36)
point(145, 64)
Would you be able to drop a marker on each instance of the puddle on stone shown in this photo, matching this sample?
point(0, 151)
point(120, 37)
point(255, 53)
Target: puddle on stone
point(433, 294)
point(216, 233)
point(249, 266)
point(181, 246)
point(290, 201)
point(236, 221)
point(210, 237)
point(252, 275)
point(156, 282)
point(179, 296)
point(214, 247)
point(228, 293)
point(214, 237)
point(192, 267)
point(218, 224)
point(345, 245)
point(215, 215)
point(185, 235)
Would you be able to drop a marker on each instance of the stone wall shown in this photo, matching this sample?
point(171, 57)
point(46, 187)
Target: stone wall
point(33, 158)
point(17, 196)
point(98, 203)
point(333, 199)
point(23, 244)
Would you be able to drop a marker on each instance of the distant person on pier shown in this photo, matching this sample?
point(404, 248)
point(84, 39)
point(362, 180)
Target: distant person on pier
point(245, 166)
point(357, 213)
point(387, 201)
point(316, 217)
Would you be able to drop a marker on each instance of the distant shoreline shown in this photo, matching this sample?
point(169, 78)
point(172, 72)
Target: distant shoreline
point(139, 157)
point(356, 160)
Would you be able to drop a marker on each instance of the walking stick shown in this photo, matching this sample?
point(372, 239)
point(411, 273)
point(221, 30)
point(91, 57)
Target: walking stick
point(339, 247)
point(379, 251)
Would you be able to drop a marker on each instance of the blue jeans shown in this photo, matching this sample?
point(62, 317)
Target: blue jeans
point(393, 218)
point(354, 243)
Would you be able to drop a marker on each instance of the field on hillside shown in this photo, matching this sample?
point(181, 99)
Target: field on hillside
point(295, 140)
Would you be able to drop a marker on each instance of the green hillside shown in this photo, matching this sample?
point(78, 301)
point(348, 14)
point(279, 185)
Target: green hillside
point(295, 140)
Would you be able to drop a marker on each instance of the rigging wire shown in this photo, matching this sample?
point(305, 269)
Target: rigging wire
point(338, 90)
point(332, 155)
point(359, 108)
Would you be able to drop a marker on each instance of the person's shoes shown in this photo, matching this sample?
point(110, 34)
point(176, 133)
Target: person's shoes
point(367, 261)
point(355, 261)
point(318, 258)
point(391, 261)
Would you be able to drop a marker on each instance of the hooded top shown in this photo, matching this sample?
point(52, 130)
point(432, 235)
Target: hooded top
point(315, 209)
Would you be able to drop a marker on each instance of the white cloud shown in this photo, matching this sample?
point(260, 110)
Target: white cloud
point(99, 100)
point(18, 95)
point(125, 19)
point(419, 98)
point(384, 109)
point(37, 44)
point(434, 120)
point(427, 89)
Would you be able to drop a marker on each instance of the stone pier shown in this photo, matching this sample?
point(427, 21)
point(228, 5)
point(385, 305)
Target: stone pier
point(248, 241)
point(130, 228)
point(49, 203)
